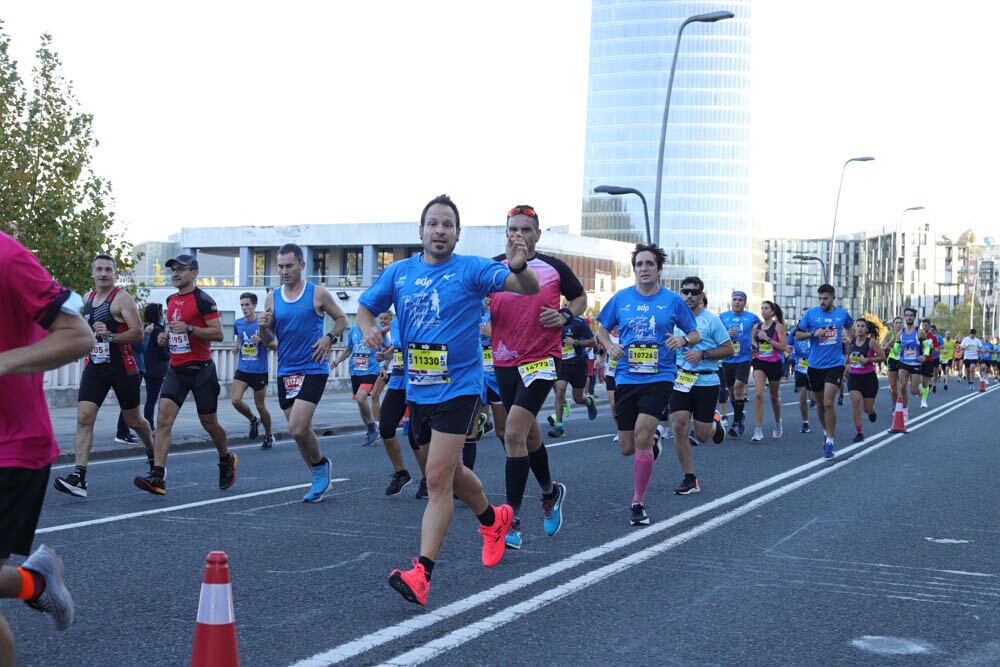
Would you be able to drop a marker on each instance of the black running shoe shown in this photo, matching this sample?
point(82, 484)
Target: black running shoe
point(254, 429)
point(152, 483)
point(591, 408)
point(422, 490)
point(687, 486)
point(639, 516)
point(71, 484)
point(268, 442)
point(227, 472)
point(872, 417)
point(397, 483)
point(859, 437)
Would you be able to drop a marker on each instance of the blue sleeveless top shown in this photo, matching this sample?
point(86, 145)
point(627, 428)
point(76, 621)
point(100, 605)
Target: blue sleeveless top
point(297, 327)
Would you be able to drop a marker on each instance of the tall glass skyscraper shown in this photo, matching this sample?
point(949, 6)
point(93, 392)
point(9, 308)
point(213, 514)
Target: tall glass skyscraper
point(705, 222)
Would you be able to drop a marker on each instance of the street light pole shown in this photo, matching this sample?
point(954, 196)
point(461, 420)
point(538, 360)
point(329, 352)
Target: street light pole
point(897, 251)
point(616, 190)
point(700, 18)
point(833, 233)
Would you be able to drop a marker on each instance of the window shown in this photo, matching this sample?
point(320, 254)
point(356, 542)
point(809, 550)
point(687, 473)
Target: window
point(259, 277)
point(383, 258)
point(351, 266)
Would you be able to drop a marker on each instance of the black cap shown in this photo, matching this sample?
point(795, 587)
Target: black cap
point(183, 260)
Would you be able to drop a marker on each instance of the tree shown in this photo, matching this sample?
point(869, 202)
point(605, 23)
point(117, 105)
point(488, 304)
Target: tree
point(50, 198)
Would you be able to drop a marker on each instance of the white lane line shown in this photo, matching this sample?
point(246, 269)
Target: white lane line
point(401, 630)
point(174, 508)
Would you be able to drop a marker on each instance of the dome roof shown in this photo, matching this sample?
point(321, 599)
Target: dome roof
point(968, 237)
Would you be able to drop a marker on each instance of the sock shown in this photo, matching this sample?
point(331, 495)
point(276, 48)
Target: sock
point(559, 423)
point(539, 461)
point(516, 478)
point(32, 585)
point(321, 462)
point(469, 453)
point(428, 566)
point(158, 471)
point(82, 472)
point(643, 468)
point(858, 428)
point(738, 404)
point(487, 518)
point(688, 476)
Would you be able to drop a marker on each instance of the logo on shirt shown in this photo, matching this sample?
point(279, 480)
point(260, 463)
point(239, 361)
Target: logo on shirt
point(400, 281)
point(643, 308)
point(448, 276)
point(423, 282)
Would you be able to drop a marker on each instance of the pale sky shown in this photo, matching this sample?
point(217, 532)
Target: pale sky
point(225, 113)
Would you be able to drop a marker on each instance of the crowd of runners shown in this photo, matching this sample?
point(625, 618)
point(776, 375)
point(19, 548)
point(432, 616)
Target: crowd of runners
point(449, 349)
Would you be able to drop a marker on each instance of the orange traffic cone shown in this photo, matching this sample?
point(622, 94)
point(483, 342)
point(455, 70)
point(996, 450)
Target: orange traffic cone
point(898, 421)
point(215, 633)
point(982, 383)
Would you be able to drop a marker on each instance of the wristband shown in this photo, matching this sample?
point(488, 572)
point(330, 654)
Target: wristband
point(567, 313)
point(520, 270)
point(333, 339)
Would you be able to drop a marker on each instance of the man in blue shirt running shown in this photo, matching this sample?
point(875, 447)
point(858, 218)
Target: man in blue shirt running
point(438, 298)
point(827, 327)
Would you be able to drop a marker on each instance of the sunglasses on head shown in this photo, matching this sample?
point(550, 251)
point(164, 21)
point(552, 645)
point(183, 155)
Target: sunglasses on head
point(517, 210)
point(690, 291)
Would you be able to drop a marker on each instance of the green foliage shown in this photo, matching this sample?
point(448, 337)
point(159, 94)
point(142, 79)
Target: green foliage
point(50, 198)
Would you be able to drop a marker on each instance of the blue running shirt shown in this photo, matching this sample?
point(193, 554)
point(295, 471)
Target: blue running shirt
point(298, 326)
point(828, 351)
point(397, 372)
point(439, 308)
point(643, 325)
point(362, 357)
point(253, 356)
point(743, 323)
point(713, 334)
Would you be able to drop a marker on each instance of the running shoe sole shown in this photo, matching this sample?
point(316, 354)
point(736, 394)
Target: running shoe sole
point(62, 485)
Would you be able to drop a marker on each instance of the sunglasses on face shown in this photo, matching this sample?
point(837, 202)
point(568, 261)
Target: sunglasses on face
point(690, 291)
point(517, 210)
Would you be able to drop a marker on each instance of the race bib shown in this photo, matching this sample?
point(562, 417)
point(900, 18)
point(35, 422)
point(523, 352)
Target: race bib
point(487, 359)
point(765, 349)
point(397, 362)
point(568, 352)
point(910, 353)
point(293, 385)
point(427, 363)
point(736, 348)
point(644, 358)
point(362, 363)
point(830, 336)
point(249, 351)
point(802, 366)
point(101, 352)
point(179, 343)
point(685, 380)
point(543, 369)
point(857, 361)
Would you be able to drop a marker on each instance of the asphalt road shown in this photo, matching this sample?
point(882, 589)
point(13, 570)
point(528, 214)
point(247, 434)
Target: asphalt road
point(885, 555)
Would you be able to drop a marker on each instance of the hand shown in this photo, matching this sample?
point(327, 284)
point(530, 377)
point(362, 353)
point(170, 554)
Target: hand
point(374, 338)
point(161, 338)
point(101, 330)
point(517, 250)
point(674, 342)
point(732, 332)
point(321, 349)
point(551, 318)
point(616, 351)
point(265, 320)
point(178, 327)
point(694, 356)
point(255, 338)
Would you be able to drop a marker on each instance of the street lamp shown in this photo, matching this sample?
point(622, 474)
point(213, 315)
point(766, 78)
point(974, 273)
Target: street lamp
point(802, 259)
point(897, 252)
point(711, 17)
point(616, 190)
point(833, 234)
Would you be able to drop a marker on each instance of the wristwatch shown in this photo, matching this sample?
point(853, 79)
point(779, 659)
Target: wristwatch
point(333, 339)
point(567, 314)
point(190, 328)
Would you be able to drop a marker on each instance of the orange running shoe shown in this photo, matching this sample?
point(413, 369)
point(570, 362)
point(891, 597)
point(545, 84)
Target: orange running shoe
point(412, 584)
point(495, 536)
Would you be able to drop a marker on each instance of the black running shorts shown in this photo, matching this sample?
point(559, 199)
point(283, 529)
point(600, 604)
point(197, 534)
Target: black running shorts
point(456, 416)
point(98, 379)
point(631, 400)
point(200, 379)
point(21, 494)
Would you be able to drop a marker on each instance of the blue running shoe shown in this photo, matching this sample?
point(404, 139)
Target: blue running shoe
point(828, 450)
point(513, 538)
point(552, 506)
point(321, 482)
point(741, 427)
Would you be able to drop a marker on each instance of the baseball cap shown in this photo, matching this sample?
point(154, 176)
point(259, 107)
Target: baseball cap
point(183, 260)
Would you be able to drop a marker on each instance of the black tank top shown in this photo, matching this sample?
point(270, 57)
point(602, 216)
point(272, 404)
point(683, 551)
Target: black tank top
point(121, 355)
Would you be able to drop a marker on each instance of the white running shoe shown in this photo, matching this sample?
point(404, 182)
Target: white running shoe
point(758, 435)
point(776, 433)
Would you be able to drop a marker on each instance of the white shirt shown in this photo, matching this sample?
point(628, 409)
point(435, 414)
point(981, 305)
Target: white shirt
point(972, 345)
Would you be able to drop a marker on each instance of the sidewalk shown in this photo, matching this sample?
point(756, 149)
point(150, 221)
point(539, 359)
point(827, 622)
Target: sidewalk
point(336, 414)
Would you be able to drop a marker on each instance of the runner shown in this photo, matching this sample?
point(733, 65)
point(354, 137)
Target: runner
point(527, 350)
point(891, 344)
point(577, 341)
point(930, 360)
point(947, 355)
point(193, 322)
point(609, 378)
point(826, 327)
point(251, 370)
point(768, 339)
point(740, 324)
point(394, 411)
point(696, 390)
point(294, 315)
point(646, 316)
point(438, 299)
point(493, 415)
point(799, 354)
point(41, 330)
point(911, 358)
point(382, 377)
point(112, 314)
point(364, 373)
point(864, 353)
point(971, 347)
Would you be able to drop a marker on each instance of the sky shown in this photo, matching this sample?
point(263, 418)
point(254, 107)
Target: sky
point(222, 113)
